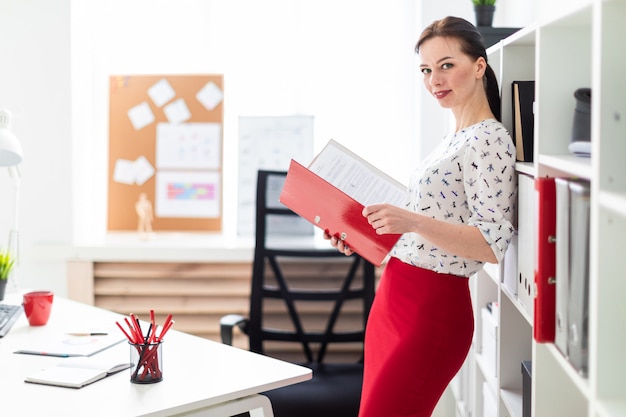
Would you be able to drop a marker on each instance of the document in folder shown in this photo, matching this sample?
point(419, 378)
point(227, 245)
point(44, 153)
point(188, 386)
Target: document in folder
point(332, 192)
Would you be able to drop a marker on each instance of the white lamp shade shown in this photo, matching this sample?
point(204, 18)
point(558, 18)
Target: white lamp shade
point(10, 147)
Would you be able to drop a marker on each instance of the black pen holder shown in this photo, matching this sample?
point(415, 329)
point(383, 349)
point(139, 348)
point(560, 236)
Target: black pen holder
point(147, 362)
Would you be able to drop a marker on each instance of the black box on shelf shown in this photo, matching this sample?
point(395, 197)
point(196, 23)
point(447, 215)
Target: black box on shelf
point(492, 35)
point(526, 388)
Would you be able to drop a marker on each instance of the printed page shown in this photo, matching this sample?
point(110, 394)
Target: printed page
point(356, 177)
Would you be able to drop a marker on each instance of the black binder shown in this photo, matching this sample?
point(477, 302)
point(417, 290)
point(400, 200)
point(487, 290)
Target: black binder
point(523, 119)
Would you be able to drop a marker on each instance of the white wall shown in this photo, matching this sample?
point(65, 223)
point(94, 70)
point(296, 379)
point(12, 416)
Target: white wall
point(350, 63)
point(35, 85)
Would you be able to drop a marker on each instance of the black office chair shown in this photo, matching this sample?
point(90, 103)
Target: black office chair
point(280, 296)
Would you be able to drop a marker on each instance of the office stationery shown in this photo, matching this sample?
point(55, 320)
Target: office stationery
point(146, 349)
point(332, 192)
point(64, 345)
point(76, 372)
point(578, 301)
point(526, 242)
point(572, 271)
point(562, 263)
point(545, 268)
point(147, 362)
point(523, 119)
point(210, 373)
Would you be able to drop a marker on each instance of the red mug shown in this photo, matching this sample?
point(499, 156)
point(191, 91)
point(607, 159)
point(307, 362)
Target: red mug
point(37, 307)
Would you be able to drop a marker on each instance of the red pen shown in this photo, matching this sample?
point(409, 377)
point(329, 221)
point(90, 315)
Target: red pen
point(124, 331)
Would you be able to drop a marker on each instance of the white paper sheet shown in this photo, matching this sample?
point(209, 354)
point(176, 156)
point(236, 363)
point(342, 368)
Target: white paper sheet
point(161, 92)
point(210, 95)
point(356, 177)
point(141, 115)
point(188, 146)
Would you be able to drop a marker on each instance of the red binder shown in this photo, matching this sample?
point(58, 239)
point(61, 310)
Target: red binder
point(330, 209)
point(545, 262)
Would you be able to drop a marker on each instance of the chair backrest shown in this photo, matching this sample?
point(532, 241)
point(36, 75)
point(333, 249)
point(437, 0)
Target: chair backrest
point(309, 296)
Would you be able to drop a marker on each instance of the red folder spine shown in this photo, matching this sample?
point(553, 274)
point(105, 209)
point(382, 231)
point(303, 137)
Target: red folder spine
point(545, 261)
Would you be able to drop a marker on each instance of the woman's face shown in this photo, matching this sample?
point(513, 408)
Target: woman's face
point(451, 76)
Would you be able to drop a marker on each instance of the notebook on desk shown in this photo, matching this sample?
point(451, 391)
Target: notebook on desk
point(66, 345)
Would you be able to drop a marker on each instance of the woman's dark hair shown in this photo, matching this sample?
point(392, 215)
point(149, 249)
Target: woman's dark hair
point(471, 42)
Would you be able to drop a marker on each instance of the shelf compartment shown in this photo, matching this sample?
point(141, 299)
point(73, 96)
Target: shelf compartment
point(519, 306)
point(557, 389)
point(564, 43)
point(567, 165)
point(515, 345)
point(485, 372)
point(607, 313)
point(512, 400)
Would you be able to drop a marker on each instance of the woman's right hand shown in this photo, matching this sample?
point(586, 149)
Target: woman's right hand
point(338, 243)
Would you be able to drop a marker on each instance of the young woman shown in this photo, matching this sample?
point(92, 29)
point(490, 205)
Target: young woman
point(458, 216)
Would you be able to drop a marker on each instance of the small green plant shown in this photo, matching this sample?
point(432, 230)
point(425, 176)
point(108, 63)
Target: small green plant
point(484, 2)
point(6, 264)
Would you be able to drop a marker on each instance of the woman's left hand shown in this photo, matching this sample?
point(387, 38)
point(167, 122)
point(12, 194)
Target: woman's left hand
point(389, 219)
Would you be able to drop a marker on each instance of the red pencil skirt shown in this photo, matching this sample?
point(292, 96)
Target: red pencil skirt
point(418, 335)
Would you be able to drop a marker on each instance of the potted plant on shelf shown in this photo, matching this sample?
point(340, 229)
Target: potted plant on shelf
point(483, 10)
point(7, 262)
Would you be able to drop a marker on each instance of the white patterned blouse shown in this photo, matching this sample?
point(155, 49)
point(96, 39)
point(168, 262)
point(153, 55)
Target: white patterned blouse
point(468, 179)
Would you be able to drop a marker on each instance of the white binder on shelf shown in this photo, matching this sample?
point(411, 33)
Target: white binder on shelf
point(578, 304)
point(562, 263)
point(526, 242)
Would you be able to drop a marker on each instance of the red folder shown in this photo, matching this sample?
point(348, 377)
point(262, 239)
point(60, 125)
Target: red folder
point(545, 262)
point(332, 210)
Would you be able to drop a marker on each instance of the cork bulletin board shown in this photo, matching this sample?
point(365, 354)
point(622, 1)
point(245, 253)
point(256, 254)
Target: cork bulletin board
point(165, 140)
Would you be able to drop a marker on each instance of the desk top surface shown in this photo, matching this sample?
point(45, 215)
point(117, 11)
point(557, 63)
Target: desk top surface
point(196, 372)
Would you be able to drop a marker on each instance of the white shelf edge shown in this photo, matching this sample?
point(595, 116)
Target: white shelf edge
point(571, 165)
point(492, 380)
point(580, 382)
point(613, 201)
point(513, 401)
point(527, 168)
point(606, 408)
point(494, 271)
point(520, 307)
point(523, 37)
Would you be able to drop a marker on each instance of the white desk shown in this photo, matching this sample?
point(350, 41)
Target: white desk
point(200, 377)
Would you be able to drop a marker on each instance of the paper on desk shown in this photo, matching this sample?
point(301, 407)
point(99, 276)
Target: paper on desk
point(67, 345)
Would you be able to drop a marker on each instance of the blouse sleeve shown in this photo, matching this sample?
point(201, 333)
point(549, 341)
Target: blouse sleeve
point(491, 186)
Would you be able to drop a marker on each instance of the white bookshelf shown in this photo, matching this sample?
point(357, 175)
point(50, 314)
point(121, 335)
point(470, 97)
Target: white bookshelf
point(576, 44)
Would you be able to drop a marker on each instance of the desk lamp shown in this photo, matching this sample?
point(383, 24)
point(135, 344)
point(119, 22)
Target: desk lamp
point(11, 156)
